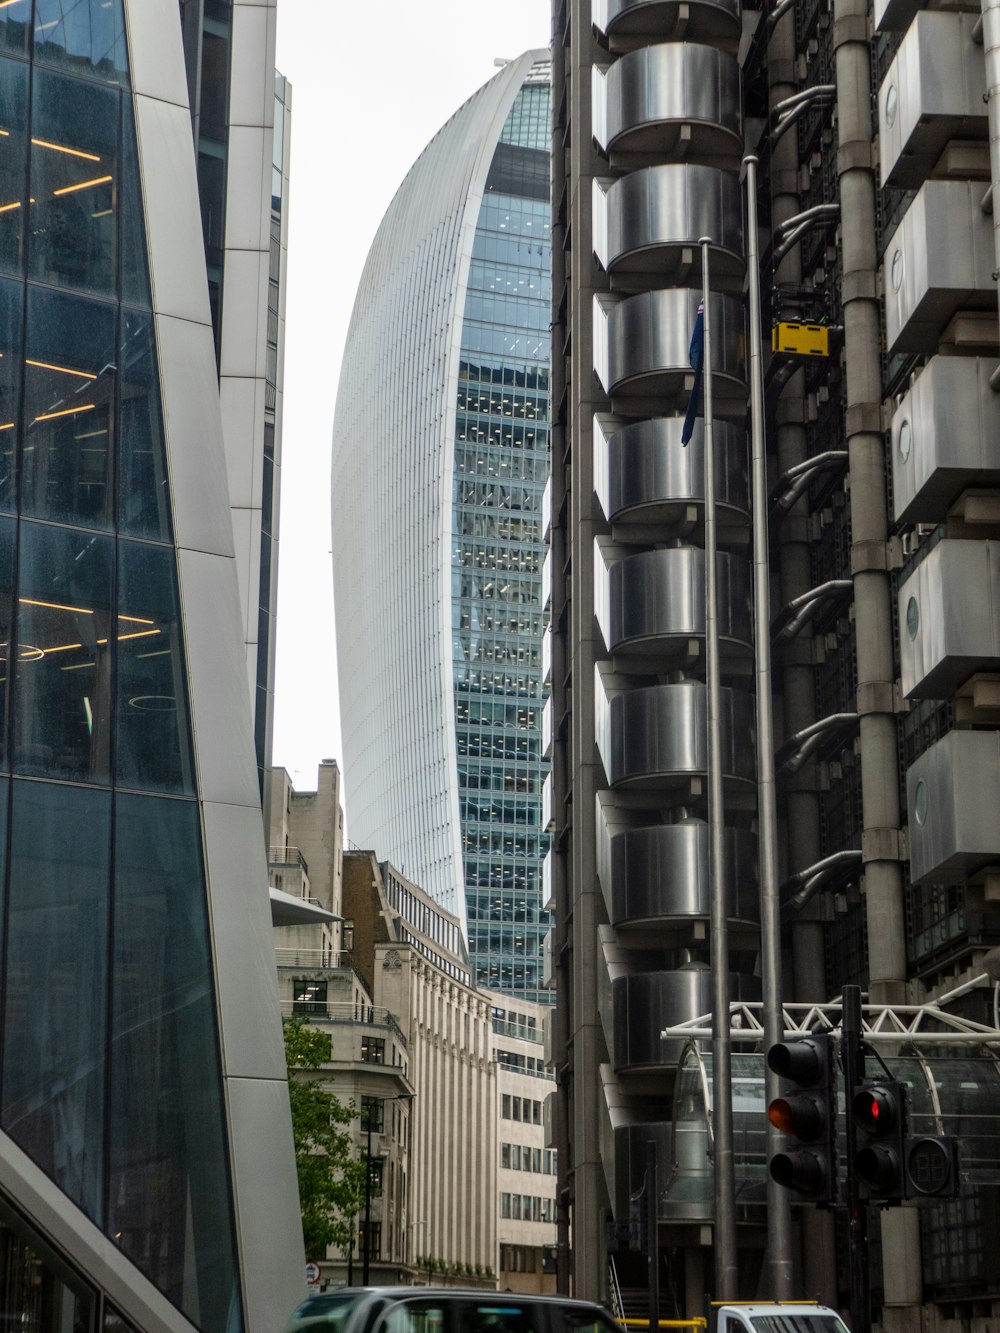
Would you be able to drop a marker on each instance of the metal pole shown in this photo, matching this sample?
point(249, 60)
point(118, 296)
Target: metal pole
point(779, 1211)
point(722, 1091)
point(368, 1197)
point(858, 1269)
point(991, 52)
point(653, 1236)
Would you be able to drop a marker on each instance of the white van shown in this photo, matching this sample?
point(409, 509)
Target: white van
point(786, 1317)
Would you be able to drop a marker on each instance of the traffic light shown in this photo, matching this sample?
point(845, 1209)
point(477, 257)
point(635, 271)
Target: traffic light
point(807, 1112)
point(879, 1112)
point(931, 1168)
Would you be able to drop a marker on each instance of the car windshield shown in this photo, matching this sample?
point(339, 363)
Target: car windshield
point(797, 1323)
point(329, 1310)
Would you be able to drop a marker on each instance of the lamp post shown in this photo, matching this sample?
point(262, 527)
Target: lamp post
point(368, 1186)
point(369, 1112)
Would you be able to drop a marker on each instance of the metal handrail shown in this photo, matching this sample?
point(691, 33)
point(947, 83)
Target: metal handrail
point(286, 856)
point(334, 1011)
point(315, 959)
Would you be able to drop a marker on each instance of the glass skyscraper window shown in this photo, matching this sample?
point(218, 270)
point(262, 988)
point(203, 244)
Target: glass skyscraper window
point(441, 455)
point(117, 1077)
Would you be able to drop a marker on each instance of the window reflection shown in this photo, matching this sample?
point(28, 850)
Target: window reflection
point(41, 1293)
point(54, 1035)
point(87, 36)
point(13, 119)
point(63, 670)
point(15, 26)
point(74, 183)
point(168, 1193)
point(11, 304)
point(69, 408)
point(152, 745)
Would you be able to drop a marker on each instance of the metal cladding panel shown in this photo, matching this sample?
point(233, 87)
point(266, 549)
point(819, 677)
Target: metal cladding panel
point(632, 22)
point(953, 795)
point(654, 601)
point(938, 262)
point(649, 94)
point(655, 737)
point(945, 437)
point(948, 618)
point(649, 343)
point(933, 92)
point(644, 1004)
point(642, 473)
point(652, 216)
point(660, 873)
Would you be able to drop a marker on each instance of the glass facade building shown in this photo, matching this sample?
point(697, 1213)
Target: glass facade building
point(441, 456)
point(138, 1065)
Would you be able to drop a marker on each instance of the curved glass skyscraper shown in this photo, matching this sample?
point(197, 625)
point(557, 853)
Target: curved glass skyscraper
point(441, 454)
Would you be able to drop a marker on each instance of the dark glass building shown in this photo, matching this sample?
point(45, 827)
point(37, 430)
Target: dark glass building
point(440, 463)
point(140, 1052)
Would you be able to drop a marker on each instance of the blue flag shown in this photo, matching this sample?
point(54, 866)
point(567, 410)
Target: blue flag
point(696, 356)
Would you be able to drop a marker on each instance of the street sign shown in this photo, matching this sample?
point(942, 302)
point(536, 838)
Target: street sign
point(312, 1274)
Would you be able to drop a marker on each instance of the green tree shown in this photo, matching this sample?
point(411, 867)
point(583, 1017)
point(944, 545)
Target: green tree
point(331, 1177)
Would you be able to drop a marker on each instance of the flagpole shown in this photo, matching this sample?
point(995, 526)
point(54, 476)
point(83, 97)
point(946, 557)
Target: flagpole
point(779, 1213)
point(724, 1239)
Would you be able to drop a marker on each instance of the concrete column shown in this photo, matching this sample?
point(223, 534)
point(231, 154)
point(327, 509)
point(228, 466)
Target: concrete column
point(873, 610)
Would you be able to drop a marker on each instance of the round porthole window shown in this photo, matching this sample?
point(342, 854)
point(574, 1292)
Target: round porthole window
point(896, 270)
point(920, 802)
point(905, 440)
point(891, 104)
point(912, 617)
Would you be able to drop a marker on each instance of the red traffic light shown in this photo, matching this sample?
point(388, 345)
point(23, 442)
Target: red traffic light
point(797, 1114)
point(879, 1110)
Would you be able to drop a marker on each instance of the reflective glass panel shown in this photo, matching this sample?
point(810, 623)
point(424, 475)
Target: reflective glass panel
point(143, 495)
point(153, 746)
point(134, 262)
point(41, 1294)
point(69, 397)
point(169, 1193)
point(63, 671)
point(55, 1015)
point(74, 180)
point(11, 306)
point(15, 26)
point(87, 36)
point(13, 158)
point(8, 532)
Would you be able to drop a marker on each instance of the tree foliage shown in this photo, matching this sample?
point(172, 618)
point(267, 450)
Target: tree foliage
point(331, 1177)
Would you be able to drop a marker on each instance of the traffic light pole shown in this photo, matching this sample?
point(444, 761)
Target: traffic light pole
point(652, 1237)
point(858, 1266)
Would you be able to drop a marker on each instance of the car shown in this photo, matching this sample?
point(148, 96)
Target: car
point(445, 1310)
point(325, 1312)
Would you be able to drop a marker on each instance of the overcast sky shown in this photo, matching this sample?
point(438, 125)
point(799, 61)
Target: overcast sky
point(373, 81)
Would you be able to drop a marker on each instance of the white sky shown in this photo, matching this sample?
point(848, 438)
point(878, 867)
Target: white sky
point(373, 81)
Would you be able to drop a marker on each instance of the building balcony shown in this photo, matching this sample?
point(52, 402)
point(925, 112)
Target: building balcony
point(343, 1013)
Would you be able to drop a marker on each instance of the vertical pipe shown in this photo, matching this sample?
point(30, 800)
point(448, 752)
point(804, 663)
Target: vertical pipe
point(991, 52)
point(652, 1237)
point(858, 1264)
point(722, 1092)
point(779, 1214)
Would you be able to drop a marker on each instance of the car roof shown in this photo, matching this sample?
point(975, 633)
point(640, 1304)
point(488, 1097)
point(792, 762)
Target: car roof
point(472, 1293)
